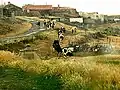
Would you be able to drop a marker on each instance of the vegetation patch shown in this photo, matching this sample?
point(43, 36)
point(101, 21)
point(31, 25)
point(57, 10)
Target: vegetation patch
point(9, 28)
point(73, 73)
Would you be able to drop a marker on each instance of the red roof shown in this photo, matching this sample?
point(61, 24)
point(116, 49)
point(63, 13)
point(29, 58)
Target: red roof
point(37, 7)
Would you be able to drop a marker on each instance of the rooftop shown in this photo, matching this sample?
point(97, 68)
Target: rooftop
point(38, 7)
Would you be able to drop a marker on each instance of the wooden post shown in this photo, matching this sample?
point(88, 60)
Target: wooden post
point(2, 9)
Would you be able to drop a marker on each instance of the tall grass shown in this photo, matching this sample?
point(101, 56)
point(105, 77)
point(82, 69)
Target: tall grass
point(59, 74)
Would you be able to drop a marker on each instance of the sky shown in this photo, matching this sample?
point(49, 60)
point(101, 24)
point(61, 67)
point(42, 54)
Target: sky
point(100, 6)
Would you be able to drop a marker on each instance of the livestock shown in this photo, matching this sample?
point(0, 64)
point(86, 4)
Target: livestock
point(38, 23)
point(61, 37)
point(64, 30)
point(67, 51)
point(53, 24)
point(57, 47)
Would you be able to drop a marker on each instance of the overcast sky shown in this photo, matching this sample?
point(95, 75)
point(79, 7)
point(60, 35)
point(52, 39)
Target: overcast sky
point(101, 6)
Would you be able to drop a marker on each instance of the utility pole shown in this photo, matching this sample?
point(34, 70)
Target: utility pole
point(1, 8)
point(46, 3)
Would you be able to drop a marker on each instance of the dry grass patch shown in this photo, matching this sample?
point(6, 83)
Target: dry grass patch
point(67, 27)
point(76, 73)
point(20, 28)
point(15, 29)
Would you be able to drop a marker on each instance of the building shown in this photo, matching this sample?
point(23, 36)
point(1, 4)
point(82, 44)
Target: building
point(65, 12)
point(42, 9)
point(79, 20)
point(93, 15)
point(10, 9)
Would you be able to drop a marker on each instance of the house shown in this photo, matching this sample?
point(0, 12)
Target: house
point(48, 10)
point(42, 9)
point(93, 15)
point(65, 12)
point(10, 8)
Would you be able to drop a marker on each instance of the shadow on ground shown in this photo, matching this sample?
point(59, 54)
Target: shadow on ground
point(17, 79)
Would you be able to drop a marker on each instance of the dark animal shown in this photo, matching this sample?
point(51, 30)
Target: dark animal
point(53, 25)
point(57, 47)
point(45, 23)
point(72, 31)
point(68, 51)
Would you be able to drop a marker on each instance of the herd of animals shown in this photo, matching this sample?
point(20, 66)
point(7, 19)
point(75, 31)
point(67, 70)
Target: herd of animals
point(68, 51)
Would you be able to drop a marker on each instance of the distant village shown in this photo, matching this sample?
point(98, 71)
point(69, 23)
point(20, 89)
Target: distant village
point(62, 14)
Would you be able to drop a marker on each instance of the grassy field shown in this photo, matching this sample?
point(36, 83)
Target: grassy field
point(74, 73)
point(100, 72)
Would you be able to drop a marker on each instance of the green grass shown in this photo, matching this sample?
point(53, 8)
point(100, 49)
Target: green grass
point(75, 73)
point(17, 79)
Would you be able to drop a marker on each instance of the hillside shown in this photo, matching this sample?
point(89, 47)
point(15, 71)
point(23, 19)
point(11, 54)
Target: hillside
point(10, 28)
point(80, 72)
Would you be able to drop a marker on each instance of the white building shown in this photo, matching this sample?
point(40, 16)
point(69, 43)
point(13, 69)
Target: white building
point(80, 20)
point(92, 15)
